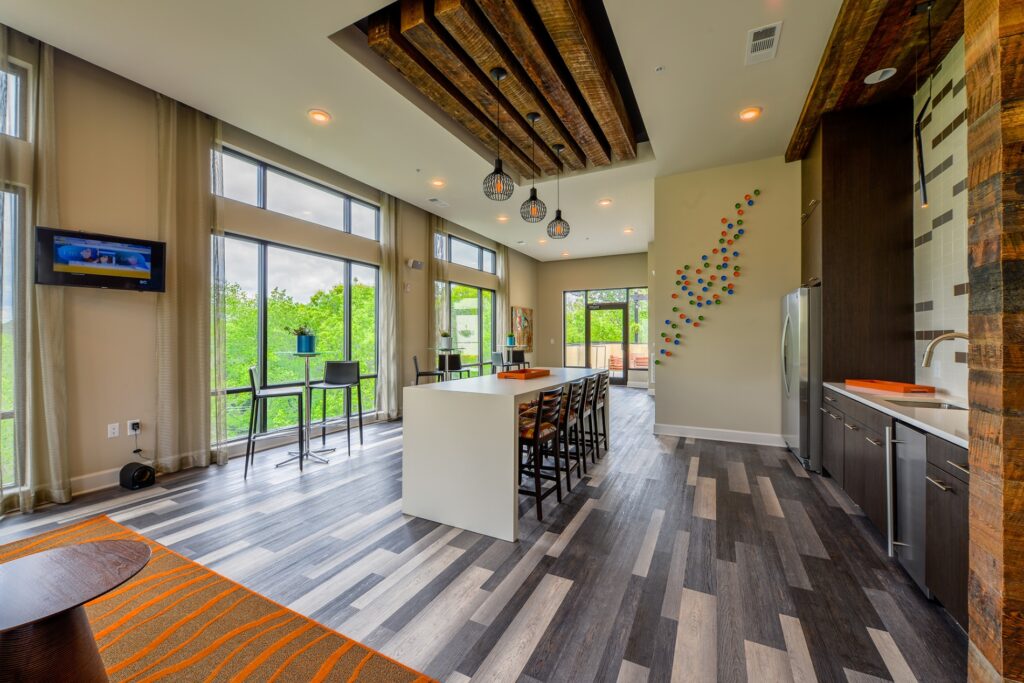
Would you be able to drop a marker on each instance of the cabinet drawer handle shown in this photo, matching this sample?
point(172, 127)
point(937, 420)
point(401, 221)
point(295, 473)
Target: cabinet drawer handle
point(851, 427)
point(938, 484)
point(830, 399)
point(963, 468)
point(822, 409)
point(873, 442)
point(834, 416)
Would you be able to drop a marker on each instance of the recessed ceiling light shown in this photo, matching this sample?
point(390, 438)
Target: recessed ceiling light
point(542, 241)
point(628, 230)
point(564, 254)
point(503, 218)
point(319, 116)
point(604, 202)
point(437, 182)
point(750, 113)
point(876, 77)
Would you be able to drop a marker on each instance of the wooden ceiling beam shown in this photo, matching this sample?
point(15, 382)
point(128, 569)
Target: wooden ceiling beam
point(542, 66)
point(567, 24)
point(464, 22)
point(384, 37)
point(850, 36)
point(422, 30)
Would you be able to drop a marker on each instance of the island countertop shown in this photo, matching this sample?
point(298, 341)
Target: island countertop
point(495, 386)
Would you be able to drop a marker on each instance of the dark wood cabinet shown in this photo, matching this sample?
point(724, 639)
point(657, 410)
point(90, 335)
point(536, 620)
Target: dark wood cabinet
point(853, 460)
point(864, 470)
point(858, 240)
point(832, 435)
point(946, 539)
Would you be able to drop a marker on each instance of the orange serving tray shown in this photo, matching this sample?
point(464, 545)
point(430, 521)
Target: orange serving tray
point(528, 373)
point(883, 385)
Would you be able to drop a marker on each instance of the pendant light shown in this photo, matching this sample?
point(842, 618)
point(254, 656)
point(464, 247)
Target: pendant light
point(558, 229)
point(533, 210)
point(498, 185)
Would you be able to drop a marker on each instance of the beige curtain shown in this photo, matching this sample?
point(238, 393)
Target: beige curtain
point(28, 170)
point(438, 302)
point(502, 306)
point(389, 349)
point(187, 216)
point(218, 319)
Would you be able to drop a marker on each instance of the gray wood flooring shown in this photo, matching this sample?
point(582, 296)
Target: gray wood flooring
point(674, 560)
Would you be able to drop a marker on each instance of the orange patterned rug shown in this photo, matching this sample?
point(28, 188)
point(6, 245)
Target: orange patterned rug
point(178, 621)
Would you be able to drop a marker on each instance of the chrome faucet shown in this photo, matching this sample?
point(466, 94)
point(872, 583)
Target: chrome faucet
point(935, 342)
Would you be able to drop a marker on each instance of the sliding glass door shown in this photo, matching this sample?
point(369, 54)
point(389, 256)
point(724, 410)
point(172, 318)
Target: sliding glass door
point(271, 288)
point(472, 325)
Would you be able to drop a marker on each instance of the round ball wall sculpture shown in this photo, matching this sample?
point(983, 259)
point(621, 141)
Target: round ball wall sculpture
point(703, 289)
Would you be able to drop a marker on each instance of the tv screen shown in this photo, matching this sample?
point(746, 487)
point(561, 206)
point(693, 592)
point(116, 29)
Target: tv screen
point(79, 259)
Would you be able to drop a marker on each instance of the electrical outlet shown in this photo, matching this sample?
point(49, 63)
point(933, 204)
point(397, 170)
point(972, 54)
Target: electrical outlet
point(113, 430)
point(132, 427)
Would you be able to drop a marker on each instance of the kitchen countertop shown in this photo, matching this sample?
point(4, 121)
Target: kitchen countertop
point(950, 425)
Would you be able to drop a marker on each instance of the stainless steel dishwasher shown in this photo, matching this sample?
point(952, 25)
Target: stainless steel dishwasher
point(907, 467)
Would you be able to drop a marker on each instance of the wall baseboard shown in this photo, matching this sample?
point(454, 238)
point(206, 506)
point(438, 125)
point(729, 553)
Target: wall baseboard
point(731, 435)
point(641, 384)
point(95, 481)
point(650, 390)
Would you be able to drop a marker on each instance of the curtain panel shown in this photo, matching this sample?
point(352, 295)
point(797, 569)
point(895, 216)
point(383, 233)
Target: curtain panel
point(187, 218)
point(438, 293)
point(502, 307)
point(389, 342)
point(37, 471)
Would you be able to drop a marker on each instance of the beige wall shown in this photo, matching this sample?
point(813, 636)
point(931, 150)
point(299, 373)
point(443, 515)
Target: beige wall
point(106, 144)
point(556, 277)
point(725, 376)
point(522, 291)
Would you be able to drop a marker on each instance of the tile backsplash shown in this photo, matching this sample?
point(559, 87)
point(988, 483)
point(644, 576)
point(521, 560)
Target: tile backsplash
point(940, 230)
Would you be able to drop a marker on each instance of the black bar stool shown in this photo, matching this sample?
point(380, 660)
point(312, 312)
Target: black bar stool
point(519, 358)
point(341, 374)
point(536, 431)
point(259, 397)
point(452, 363)
point(587, 419)
point(600, 400)
point(436, 374)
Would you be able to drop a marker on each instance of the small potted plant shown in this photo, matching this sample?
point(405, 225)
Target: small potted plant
point(445, 340)
point(510, 340)
point(305, 340)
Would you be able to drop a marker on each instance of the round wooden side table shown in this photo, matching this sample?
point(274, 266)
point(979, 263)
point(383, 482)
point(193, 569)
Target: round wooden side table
point(44, 632)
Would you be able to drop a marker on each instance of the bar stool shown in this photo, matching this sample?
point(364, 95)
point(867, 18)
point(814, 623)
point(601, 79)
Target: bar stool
point(259, 397)
point(571, 432)
point(535, 432)
point(498, 363)
point(587, 417)
point(437, 374)
point(341, 374)
point(519, 358)
point(600, 400)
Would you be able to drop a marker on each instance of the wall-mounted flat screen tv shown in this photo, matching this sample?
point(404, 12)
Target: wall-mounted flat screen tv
point(80, 259)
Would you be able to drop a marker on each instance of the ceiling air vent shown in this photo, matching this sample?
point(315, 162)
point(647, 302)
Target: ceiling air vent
point(439, 203)
point(763, 43)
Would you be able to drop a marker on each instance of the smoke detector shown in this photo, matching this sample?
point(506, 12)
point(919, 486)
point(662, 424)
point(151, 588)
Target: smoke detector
point(439, 203)
point(763, 43)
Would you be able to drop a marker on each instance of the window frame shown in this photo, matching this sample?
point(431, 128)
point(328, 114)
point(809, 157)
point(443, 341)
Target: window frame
point(261, 193)
point(629, 318)
point(262, 295)
point(485, 359)
point(22, 71)
point(479, 254)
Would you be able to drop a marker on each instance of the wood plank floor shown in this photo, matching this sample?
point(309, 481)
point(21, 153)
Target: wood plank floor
point(674, 560)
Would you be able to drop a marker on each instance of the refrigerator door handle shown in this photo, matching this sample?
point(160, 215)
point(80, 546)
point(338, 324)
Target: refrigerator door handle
point(784, 355)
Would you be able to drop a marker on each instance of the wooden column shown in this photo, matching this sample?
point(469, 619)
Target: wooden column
point(995, 85)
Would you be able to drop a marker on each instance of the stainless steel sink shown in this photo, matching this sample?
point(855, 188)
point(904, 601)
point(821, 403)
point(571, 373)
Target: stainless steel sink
point(937, 405)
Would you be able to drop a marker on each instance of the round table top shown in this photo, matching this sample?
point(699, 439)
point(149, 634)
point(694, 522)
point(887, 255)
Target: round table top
point(41, 585)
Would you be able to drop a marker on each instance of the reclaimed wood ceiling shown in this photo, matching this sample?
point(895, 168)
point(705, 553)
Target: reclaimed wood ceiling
point(869, 35)
point(559, 64)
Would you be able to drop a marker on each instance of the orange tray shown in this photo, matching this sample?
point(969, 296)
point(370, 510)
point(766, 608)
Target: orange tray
point(528, 373)
point(883, 385)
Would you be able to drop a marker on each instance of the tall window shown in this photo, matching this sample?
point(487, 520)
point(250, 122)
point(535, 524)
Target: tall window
point(254, 182)
point(9, 217)
point(13, 101)
point(271, 288)
point(575, 324)
point(472, 325)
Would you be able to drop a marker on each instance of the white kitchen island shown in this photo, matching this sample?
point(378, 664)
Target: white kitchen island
point(460, 449)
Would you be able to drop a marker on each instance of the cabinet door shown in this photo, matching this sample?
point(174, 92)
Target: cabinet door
point(832, 436)
point(946, 541)
point(875, 493)
point(853, 460)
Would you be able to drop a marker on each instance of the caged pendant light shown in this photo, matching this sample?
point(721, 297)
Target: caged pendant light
point(558, 229)
point(533, 210)
point(498, 185)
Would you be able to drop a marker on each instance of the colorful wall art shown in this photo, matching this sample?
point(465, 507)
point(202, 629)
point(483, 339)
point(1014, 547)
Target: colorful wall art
point(522, 327)
point(705, 284)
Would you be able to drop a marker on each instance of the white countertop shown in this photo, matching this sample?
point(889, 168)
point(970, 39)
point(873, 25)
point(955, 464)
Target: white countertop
point(950, 425)
point(492, 385)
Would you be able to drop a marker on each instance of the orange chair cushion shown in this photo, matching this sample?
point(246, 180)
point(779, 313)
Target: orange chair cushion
point(527, 426)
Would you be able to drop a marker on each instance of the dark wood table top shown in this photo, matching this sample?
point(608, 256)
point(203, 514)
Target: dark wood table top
point(53, 581)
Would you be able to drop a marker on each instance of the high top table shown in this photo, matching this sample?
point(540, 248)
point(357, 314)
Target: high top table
point(460, 449)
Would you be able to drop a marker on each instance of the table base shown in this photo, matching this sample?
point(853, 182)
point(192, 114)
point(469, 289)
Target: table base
point(59, 648)
point(314, 455)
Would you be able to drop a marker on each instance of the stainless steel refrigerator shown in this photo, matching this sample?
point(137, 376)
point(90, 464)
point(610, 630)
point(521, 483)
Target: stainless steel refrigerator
point(801, 375)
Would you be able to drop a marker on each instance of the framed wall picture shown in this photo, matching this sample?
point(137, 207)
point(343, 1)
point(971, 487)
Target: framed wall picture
point(522, 327)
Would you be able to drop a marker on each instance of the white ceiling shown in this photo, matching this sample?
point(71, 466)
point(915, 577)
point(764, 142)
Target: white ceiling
point(261, 64)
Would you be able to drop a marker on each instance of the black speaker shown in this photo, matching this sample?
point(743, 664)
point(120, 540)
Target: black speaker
point(135, 475)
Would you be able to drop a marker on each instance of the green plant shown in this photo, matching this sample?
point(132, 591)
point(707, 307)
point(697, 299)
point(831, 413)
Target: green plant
point(444, 334)
point(300, 330)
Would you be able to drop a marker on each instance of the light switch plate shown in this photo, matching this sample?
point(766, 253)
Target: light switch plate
point(113, 430)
